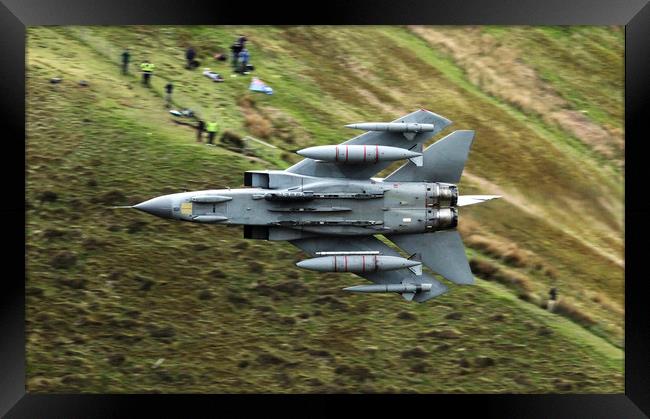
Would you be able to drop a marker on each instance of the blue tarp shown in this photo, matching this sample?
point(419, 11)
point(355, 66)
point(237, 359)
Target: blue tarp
point(258, 85)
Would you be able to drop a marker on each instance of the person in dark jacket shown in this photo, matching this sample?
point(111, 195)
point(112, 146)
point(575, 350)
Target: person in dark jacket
point(236, 49)
point(200, 127)
point(168, 94)
point(243, 61)
point(126, 57)
point(552, 300)
point(189, 56)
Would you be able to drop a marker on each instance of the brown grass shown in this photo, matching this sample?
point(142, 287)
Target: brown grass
point(516, 257)
point(483, 268)
point(497, 69)
point(468, 227)
point(605, 302)
point(567, 308)
point(550, 272)
point(523, 286)
point(254, 121)
point(232, 140)
point(285, 127)
point(510, 253)
point(508, 277)
point(246, 101)
point(514, 279)
point(483, 244)
point(258, 125)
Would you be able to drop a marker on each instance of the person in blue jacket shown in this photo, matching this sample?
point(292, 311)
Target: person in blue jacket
point(243, 60)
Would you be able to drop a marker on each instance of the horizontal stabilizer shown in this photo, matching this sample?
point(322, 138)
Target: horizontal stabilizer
point(443, 252)
point(465, 200)
point(444, 161)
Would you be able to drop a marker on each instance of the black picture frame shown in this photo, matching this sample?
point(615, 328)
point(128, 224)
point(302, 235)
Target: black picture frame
point(15, 15)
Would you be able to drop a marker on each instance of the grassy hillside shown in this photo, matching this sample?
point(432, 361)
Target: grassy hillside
point(119, 301)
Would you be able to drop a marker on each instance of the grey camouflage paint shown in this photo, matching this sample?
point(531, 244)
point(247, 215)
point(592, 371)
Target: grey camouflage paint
point(337, 207)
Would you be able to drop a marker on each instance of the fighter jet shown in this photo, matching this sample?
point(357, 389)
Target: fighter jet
point(330, 206)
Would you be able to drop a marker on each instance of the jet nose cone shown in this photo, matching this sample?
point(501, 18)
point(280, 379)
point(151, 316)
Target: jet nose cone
point(160, 206)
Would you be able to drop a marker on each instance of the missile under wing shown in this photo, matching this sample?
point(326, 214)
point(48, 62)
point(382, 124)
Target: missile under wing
point(311, 167)
point(441, 251)
point(330, 206)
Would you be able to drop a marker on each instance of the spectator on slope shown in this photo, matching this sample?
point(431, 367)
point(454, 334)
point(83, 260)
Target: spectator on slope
point(189, 56)
point(243, 61)
point(200, 127)
point(211, 128)
point(552, 299)
point(168, 94)
point(236, 48)
point(126, 57)
point(147, 70)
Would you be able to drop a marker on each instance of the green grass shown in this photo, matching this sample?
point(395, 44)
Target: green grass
point(229, 315)
point(583, 63)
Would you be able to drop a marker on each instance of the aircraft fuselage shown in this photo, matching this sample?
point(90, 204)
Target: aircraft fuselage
point(328, 206)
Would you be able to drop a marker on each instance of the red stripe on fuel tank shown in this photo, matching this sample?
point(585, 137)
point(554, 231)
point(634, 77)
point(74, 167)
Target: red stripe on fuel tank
point(376, 153)
point(347, 149)
point(364, 153)
point(337, 155)
point(346, 263)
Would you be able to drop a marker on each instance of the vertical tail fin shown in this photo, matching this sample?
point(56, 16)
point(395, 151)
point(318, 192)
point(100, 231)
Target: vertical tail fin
point(444, 161)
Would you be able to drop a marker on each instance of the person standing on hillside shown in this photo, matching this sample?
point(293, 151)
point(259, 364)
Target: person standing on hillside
point(189, 56)
point(243, 60)
point(236, 48)
point(200, 127)
point(552, 299)
point(126, 57)
point(169, 87)
point(147, 70)
point(211, 128)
